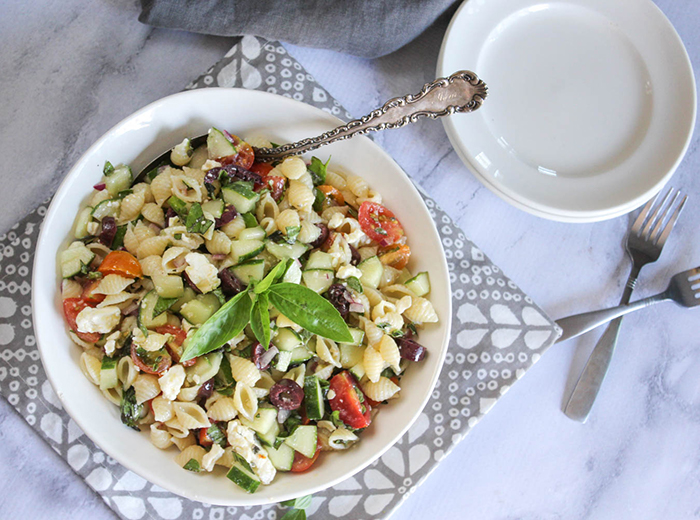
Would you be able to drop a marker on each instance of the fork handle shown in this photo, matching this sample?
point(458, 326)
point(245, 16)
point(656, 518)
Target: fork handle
point(463, 91)
point(578, 324)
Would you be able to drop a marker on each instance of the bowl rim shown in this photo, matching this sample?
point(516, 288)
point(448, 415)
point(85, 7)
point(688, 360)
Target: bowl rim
point(143, 470)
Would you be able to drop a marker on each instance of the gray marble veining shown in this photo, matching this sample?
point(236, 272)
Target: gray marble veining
point(73, 69)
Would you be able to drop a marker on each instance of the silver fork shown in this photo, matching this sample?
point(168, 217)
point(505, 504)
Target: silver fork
point(644, 245)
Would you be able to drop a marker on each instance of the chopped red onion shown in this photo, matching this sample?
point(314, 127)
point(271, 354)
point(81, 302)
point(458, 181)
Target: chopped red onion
point(357, 307)
point(100, 186)
point(130, 310)
point(218, 256)
point(267, 357)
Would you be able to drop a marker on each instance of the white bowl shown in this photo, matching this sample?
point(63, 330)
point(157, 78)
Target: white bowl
point(136, 141)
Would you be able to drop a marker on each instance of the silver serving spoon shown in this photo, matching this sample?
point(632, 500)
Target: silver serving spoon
point(463, 91)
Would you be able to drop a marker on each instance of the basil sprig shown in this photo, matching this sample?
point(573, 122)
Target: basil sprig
point(298, 303)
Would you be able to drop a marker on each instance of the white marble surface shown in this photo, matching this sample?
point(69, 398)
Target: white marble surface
point(72, 69)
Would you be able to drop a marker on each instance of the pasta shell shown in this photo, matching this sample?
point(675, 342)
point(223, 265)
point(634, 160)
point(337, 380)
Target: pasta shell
point(244, 370)
point(223, 409)
point(245, 401)
point(380, 390)
point(191, 415)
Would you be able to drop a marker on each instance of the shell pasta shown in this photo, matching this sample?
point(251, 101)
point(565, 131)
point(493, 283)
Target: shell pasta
point(154, 261)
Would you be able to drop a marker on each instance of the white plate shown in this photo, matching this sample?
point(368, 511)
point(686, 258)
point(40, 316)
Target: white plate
point(591, 103)
point(145, 135)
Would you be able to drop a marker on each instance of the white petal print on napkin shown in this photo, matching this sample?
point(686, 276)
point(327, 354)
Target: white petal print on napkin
point(167, 508)
point(99, 479)
point(534, 318)
point(418, 455)
point(132, 508)
point(7, 333)
point(504, 338)
point(52, 426)
point(534, 339)
point(503, 315)
point(77, 456)
point(49, 395)
point(130, 481)
point(393, 459)
point(319, 95)
point(485, 404)
point(375, 503)
point(250, 75)
point(348, 485)
point(375, 480)
point(227, 75)
point(419, 427)
point(74, 431)
point(8, 307)
point(470, 313)
point(470, 338)
point(250, 46)
point(342, 505)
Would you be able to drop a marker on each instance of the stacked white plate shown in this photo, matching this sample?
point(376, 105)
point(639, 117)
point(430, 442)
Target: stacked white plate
point(591, 103)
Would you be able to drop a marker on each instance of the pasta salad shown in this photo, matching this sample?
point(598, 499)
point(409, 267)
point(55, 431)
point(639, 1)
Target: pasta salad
point(252, 315)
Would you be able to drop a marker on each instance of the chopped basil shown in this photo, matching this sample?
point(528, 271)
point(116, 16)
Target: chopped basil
point(108, 169)
point(217, 436)
point(179, 206)
point(318, 170)
point(192, 465)
point(293, 233)
point(318, 200)
point(94, 275)
point(294, 514)
point(354, 283)
point(196, 221)
point(380, 231)
point(119, 237)
point(130, 411)
point(177, 236)
point(298, 503)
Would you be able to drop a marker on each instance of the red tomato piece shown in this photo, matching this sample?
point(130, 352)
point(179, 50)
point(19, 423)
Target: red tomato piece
point(87, 292)
point(204, 439)
point(396, 257)
point(379, 223)
point(332, 196)
point(302, 462)
point(175, 343)
point(244, 155)
point(349, 401)
point(121, 263)
point(151, 362)
point(275, 184)
point(71, 309)
point(261, 168)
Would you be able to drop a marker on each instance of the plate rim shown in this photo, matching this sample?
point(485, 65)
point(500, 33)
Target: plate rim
point(571, 216)
point(155, 477)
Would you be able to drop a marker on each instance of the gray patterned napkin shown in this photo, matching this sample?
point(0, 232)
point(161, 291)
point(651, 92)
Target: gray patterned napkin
point(498, 333)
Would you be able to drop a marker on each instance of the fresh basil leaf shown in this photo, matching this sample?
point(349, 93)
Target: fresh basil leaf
point(225, 324)
point(299, 503)
point(192, 465)
point(108, 169)
point(223, 379)
point(294, 514)
point(130, 411)
point(318, 170)
point(309, 310)
point(250, 220)
point(119, 237)
point(179, 206)
point(162, 305)
point(216, 435)
point(292, 233)
point(196, 221)
point(260, 320)
point(275, 274)
point(319, 197)
point(354, 283)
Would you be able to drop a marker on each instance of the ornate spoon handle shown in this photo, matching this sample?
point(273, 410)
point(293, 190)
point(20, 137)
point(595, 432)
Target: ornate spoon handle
point(463, 91)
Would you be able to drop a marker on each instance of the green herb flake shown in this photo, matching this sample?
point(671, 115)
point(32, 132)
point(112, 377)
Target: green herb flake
point(292, 233)
point(177, 236)
point(192, 465)
point(94, 275)
point(354, 283)
point(318, 170)
point(380, 231)
point(130, 411)
point(119, 237)
point(108, 169)
point(319, 197)
point(217, 436)
point(179, 206)
point(123, 194)
point(196, 222)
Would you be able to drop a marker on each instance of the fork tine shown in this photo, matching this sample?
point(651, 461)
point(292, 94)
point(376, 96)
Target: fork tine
point(643, 215)
point(671, 222)
point(668, 212)
point(646, 230)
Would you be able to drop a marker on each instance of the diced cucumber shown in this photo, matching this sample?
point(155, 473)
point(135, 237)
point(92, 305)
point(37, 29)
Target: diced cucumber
point(214, 207)
point(217, 144)
point(293, 272)
point(199, 157)
point(313, 397)
point(350, 355)
point(300, 355)
point(74, 258)
point(81, 223)
point(283, 251)
point(318, 280)
point(242, 250)
point(303, 440)
point(282, 458)
point(282, 360)
point(404, 276)
point(243, 198)
point(319, 260)
point(146, 318)
point(358, 371)
point(287, 339)
point(252, 233)
point(250, 270)
point(419, 284)
point(168, 285)
point(108, 373)
point(188, 295)
point(119, 180)
point(358, 335)
point(243, 477)
point(200, 309)
point(372, 270)
point(106, 208)
point(269, 437)
point(263, 420)
point(205, 367)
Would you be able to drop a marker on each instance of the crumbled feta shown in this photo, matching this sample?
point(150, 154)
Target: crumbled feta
point(151, 343)
point(330, 394)
point(211, 457)
point(93, 228)
point(242, 440)
point(98, 320)
point(171, 381)
point(202, 272)
point(111, 343)
point(348, 271)
point(209, 164)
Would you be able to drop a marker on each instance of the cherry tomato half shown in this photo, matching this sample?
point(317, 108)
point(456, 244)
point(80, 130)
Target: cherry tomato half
point(87, 292)
point(71, 309)
point(396, 257)
point(350, 401)
point(175, 343)
point(121, 263)
point(332, 196)
point(379, 224)
point(302, 462)
point(261, 168)
point(244, 155)
point(151, 362)
point(275, 184)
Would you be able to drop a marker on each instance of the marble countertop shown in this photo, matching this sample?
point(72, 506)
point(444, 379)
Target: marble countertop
point(73, 69)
